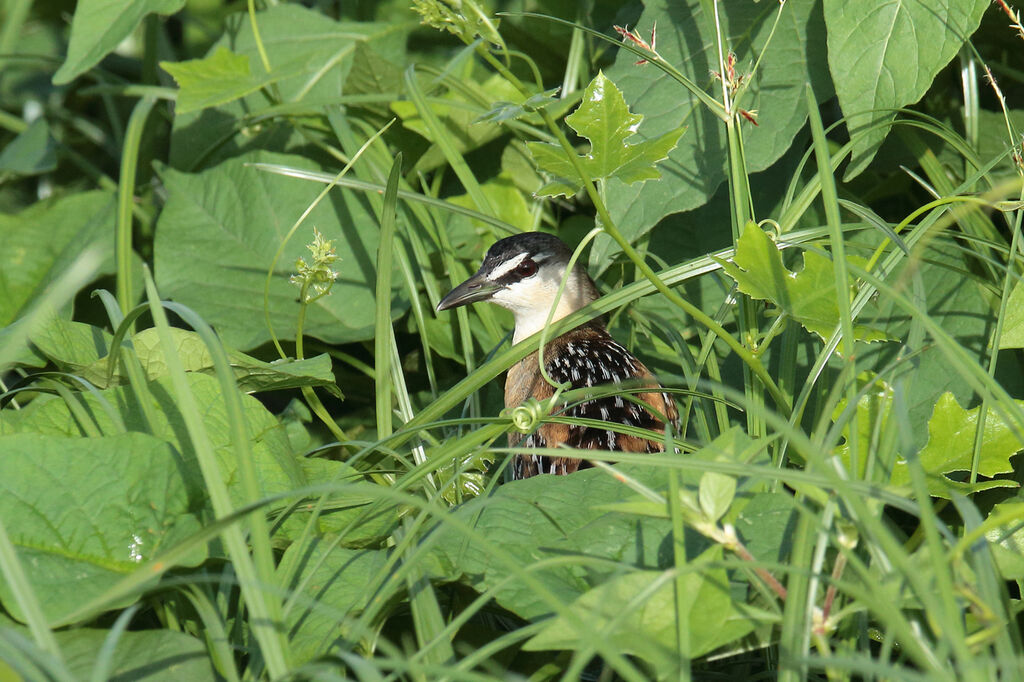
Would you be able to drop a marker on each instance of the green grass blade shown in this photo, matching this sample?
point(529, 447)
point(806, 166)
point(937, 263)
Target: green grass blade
point(126, 200)
point(256, 577)
point(14, 575)
point(383, 332)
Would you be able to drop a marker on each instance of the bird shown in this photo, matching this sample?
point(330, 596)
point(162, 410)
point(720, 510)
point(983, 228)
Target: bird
point(523, 274)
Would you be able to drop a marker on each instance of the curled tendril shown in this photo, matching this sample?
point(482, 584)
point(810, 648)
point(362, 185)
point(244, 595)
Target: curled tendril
point(527, 417)
point(773, 226)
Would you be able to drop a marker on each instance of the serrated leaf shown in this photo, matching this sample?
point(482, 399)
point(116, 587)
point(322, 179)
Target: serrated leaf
point(808, 296)
point(791, 53)
point(950, 445)
point(606, 121)
point(951, 442)
point(214, 80)
point(99, 26)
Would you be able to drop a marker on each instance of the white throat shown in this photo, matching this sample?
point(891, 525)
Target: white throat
point(531, 321)
point(531, 300)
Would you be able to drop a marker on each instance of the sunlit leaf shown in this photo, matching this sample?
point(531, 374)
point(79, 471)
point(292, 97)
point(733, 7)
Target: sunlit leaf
point(216, 79)
point(808, 296)
point(950, 445)
point(83, 349)
point(603, 118)
point(715, 494)
point(884, 54)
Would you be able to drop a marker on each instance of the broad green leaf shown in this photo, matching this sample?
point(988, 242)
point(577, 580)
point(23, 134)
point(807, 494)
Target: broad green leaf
point(83, 349)
point(647, 627)
point(686, 39)
point(276, 467)
point(85, 512)
point(951, 442)
point(310, 56)
point(552, 516)
point(808, 296)
point(766, 523)
point(42, 241)
point(580, 515)
point(373, 74)
point(715, 494)
point(220, 229)
point(73, 345)
point(349, 511)
point(1013, 324)
point(31, 152)
point(333, 587)
point(99, 26)
point(949, 449)
point(143, 655)
point(884, 54)
point(501, 192)
point(251, 374)
point(603, 118)
point(217, 79)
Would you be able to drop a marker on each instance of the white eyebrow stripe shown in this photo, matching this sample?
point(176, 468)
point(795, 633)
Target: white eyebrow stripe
point(507, 266)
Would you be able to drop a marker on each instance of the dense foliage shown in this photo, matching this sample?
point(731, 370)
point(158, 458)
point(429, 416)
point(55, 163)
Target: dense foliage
point(236, 441)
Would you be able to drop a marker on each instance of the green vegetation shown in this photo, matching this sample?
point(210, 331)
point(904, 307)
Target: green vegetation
point(236, 442)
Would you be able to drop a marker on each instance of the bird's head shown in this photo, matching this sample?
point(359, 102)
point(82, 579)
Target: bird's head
point(523, 273)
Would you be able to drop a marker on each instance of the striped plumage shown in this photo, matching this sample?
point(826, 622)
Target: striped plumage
point(523, 273)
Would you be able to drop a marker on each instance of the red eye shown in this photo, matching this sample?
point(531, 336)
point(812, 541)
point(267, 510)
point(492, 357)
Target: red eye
point(526, 268)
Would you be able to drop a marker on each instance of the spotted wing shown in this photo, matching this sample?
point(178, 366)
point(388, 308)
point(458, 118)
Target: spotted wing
point(589, 362)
